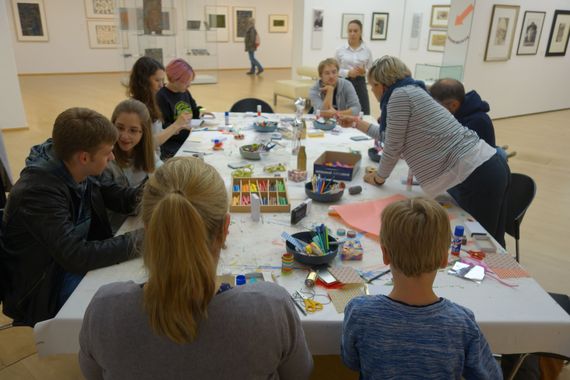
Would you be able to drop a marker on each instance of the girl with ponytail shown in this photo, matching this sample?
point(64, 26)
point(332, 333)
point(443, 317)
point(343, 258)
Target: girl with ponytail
point(178, 324)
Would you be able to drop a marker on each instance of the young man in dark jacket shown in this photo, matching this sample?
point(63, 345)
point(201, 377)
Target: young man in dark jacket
point(55, 226)
point(468, 108)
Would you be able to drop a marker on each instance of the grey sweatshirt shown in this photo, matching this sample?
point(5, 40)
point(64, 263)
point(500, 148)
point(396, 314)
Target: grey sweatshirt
point(252, 332)
point(345, 96)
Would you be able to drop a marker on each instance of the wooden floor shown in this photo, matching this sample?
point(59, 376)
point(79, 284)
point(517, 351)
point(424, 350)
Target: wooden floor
point(541, 142)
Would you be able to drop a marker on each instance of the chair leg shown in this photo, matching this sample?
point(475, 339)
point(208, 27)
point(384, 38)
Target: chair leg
point(517, 366)
point(517, 250)
point(274, 99)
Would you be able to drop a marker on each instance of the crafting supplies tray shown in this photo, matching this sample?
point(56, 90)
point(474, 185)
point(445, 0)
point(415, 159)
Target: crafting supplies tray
point(270, 190)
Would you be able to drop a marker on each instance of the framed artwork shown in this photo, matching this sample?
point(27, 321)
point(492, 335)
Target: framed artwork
point(155, 53)
point(317, 29)
point(278, 23)
point(379, 27)
point(558, 39)
point(436, 40)
point(124, 18)
point(193, 24)
point(100, 8)
point(103, 34)
point(530, 32)
point(346, 18)
point(152, 16)
point(501, 32)
point(216, 24)
point(167, 21)
point(30, 20)
point(439, 16)
point(241, 19)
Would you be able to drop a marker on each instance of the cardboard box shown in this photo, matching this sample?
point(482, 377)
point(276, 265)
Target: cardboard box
point(337, 172)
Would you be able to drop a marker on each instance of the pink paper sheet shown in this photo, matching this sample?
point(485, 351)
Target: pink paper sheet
point(365, 216)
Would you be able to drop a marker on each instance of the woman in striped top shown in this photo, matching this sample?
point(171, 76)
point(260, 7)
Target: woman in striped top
point(442, 154)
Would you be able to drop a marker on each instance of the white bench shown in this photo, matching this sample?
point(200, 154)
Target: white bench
point(296, 88)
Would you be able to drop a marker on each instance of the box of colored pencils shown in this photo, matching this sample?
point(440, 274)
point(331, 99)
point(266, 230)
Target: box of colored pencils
point(337, 165)
point(270, 190)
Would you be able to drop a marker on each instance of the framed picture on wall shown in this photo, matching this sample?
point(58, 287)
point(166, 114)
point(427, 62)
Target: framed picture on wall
point(278, 23)
point(558, 39)
point(103, 34)
point(501, 32)
point(168, 21)
point(436, 40)
point(530, 32)
point(30, 20)
point(241, 20)
point(217, 24)
point(346, 18)
point(100, 8)
point(379, 27)
point(439, 16)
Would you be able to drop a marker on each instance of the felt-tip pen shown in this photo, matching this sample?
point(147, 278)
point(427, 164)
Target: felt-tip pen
point(379, 275)
point(299, 306)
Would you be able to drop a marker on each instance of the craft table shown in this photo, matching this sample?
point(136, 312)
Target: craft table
point(514, 319)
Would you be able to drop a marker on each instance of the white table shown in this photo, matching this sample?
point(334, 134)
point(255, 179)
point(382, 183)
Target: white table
point(514, 320)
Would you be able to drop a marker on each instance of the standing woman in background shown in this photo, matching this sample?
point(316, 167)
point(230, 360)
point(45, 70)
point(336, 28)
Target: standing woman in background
point(133, 151)
point(354, 60)
point(179, 324)
point(147, 78)
point(251, 44)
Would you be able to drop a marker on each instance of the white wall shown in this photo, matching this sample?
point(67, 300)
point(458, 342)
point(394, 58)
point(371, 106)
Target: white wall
point(11, 106)
point(524, 84)
point(68, 50)
point(399, 28)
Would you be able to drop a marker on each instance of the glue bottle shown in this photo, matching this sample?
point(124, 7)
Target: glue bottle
point(227, 118)
point(259, 110)
point(302, 159)
point(457, 239)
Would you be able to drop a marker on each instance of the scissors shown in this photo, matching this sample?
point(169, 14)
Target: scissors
point(311, 306)
point(478, 255)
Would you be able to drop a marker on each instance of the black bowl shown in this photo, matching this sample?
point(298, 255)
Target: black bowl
point(373, 154)
point(325, 197)
point(307, 237)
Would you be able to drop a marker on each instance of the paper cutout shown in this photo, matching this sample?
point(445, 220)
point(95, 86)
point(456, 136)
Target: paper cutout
point(341, 297)
point(505, 266)
point(365, 216)
point(346, 275)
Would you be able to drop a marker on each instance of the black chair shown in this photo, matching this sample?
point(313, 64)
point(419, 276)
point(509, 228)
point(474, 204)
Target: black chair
point(250, 105)
point(521, 194)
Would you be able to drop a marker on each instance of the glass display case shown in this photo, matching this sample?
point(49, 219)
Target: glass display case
point(429, 73)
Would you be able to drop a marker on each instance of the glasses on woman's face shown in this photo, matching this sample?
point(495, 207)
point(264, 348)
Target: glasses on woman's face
point(131, 131)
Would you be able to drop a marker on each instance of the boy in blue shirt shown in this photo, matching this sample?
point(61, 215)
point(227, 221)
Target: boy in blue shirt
point(413, 333)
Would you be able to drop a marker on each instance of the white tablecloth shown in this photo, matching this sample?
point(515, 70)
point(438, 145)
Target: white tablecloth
point(518, 319)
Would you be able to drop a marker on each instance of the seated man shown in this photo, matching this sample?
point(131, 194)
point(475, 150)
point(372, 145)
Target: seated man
point(55, 226)
point(469, 109)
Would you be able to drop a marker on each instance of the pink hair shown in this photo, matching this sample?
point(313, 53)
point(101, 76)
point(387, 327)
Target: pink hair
point(178, 70)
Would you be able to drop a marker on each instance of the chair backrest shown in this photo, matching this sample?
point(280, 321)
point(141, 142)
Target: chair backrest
point(521, 194)
point(250, 105)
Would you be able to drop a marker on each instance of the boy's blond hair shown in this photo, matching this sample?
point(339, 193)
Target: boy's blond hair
point(416, 233)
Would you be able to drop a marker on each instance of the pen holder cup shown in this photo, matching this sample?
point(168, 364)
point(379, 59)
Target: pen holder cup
point(307, 237)
point(327, 197)
point(373, 154)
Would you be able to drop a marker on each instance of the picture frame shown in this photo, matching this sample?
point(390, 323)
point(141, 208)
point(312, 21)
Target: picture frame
point(278, 23)
point(168, 21)
point(346, 18)
point(317, 29)
point(436, 40)
point(379, 26)
point(531, 30)
point(501, 32)
point(100, 9)
point(103, 34)
point(241, 17)
point(30, 20)
point(439, 16)
point(559, 34)
point(217, 24)
point(193, 24)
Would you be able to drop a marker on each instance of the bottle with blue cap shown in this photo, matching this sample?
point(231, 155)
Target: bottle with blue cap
point(240, 280)
point(457, 239)
point(227, 118)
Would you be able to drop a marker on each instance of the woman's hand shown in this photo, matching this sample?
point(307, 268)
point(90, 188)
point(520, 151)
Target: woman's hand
point(347, 121)
point(356, 72)
point(373, 179)
point(327, 114)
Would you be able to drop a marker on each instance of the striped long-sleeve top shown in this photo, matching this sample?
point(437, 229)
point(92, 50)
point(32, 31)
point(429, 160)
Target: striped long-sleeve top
point(440, 152)
point(386, 339)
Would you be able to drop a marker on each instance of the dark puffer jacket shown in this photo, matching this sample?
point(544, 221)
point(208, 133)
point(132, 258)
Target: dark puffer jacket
point(473, 115)
point(45, 233)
